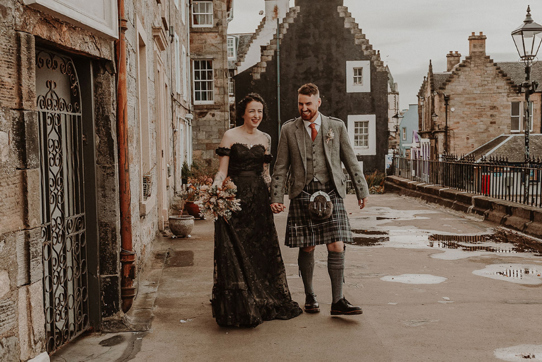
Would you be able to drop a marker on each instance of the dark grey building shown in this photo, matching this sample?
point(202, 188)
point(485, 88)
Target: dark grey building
point(321, 43)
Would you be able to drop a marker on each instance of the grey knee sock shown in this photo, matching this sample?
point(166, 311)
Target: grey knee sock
point(306, 267)
point(335, 268)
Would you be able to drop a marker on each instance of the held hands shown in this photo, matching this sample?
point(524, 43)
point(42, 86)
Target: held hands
point(276, 207)
point(362, 203)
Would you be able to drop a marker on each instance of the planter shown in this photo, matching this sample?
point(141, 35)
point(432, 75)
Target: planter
point(181, 225)
point(193, 209)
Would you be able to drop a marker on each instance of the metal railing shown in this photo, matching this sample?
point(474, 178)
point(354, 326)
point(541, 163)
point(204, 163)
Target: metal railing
point(496, 178)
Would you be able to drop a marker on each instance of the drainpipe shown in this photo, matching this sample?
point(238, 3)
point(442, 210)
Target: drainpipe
point(127, 254)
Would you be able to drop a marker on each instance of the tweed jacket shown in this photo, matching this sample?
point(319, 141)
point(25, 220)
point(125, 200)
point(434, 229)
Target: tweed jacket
point(291, 164)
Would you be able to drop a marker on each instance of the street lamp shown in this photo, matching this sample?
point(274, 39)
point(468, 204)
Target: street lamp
point(527, 39)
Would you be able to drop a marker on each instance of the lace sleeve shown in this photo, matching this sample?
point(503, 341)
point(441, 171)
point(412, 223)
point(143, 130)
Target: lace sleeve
point(223, 151)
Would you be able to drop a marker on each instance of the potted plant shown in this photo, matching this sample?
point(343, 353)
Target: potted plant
point(180, 225)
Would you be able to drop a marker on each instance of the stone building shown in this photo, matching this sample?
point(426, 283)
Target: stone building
point(208, 51)
point(62, 232)
point(474, 101)
point(320, 42)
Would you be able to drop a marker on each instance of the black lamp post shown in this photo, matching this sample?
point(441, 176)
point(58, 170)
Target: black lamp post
point(527, 39)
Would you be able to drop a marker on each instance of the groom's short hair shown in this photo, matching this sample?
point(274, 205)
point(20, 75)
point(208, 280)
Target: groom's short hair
point(309, 89)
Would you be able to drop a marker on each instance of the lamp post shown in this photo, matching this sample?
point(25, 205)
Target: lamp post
point(527, 39)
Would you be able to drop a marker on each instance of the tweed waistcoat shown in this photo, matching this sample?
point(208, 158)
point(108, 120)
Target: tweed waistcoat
point(316, 159)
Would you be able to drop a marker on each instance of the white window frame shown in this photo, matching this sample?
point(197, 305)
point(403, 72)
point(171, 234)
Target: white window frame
point(196, 76)
point(196, 11)
point(186, 73)
point(370, 149)
point(351, 66)
point(521, 117)
point(404, 134)
point(361, 134)
point(178, 69)
point(232, 45)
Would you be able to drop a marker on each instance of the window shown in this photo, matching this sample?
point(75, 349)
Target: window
point(232, 49)
point(231, 91)
point(178, 69)
point(202, 14)
point(203, 81)
point(186, 74)
point(358, 76)
point(404, 133)
point(516, 116)
point(361, 134)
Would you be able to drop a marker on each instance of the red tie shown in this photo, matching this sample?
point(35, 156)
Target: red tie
point(314, 132)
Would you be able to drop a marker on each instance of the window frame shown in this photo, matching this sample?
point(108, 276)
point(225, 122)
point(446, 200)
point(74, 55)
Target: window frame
point(370, 148)
point(520, 116)
point(233, 47)
point(205, 14)
point(210, 82)
point(365, 66)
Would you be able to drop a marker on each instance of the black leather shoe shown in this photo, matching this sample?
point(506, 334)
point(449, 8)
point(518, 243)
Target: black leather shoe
point(343, 307)
point(311, 304)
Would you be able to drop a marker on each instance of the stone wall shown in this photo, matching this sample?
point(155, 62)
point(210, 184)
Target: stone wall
point(22, 29)
point(211, 121)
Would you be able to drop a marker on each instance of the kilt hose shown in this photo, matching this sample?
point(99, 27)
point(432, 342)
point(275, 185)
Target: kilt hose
point(302, 231)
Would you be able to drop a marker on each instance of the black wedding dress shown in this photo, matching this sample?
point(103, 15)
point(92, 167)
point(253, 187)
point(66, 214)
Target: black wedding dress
point(249, 277)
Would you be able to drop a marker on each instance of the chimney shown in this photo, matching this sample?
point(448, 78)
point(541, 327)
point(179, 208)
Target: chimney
point(477, 44)
point(274, 8)
point(453, 60)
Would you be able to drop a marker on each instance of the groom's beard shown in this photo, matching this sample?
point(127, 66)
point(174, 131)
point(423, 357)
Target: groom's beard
point(308, 115)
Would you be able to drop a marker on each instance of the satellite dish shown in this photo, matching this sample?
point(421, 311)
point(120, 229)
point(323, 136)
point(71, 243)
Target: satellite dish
point(261, 12)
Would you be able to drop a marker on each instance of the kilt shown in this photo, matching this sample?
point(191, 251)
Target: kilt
point(302, 231)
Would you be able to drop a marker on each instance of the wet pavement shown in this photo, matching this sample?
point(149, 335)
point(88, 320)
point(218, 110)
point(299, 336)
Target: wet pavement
point(435, 285)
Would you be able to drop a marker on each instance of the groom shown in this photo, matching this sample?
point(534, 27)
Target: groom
point(310, 152)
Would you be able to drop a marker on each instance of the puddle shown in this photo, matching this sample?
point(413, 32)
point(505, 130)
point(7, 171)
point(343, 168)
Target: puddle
point(113, 341)
point(414, 279)
point(180, 259)
point(455, 246)
point(524, 352)
point(514, 273)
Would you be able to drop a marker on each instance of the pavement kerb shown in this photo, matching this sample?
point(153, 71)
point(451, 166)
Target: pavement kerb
point(526, 219)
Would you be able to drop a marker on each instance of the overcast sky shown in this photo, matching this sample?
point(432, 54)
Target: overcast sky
point(410, 32)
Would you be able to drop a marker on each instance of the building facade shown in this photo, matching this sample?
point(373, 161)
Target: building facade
point(320, 42)
point(62, 229)
point(474, 101)
point(209, 57)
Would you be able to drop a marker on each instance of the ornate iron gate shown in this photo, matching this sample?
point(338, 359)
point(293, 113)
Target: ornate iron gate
point(65, 280)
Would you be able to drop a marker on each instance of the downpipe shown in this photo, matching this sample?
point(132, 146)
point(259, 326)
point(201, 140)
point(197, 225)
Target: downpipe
point(127, 254)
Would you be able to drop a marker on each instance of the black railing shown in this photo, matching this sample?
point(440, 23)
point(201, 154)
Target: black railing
point(496, 178)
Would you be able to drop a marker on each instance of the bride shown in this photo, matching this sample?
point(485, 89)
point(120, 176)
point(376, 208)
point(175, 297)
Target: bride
point(249, 278)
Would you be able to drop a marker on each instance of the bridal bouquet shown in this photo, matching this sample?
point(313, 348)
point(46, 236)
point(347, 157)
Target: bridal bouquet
point(219, 201)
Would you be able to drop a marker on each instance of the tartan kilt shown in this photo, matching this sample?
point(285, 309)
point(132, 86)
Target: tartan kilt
point(302, 231)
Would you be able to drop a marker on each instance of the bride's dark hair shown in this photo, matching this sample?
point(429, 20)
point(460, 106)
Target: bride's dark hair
point(242, 106)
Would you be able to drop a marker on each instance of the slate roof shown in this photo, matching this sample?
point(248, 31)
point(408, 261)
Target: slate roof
point(516, 71)
point(439, 79)
point(511, 147)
